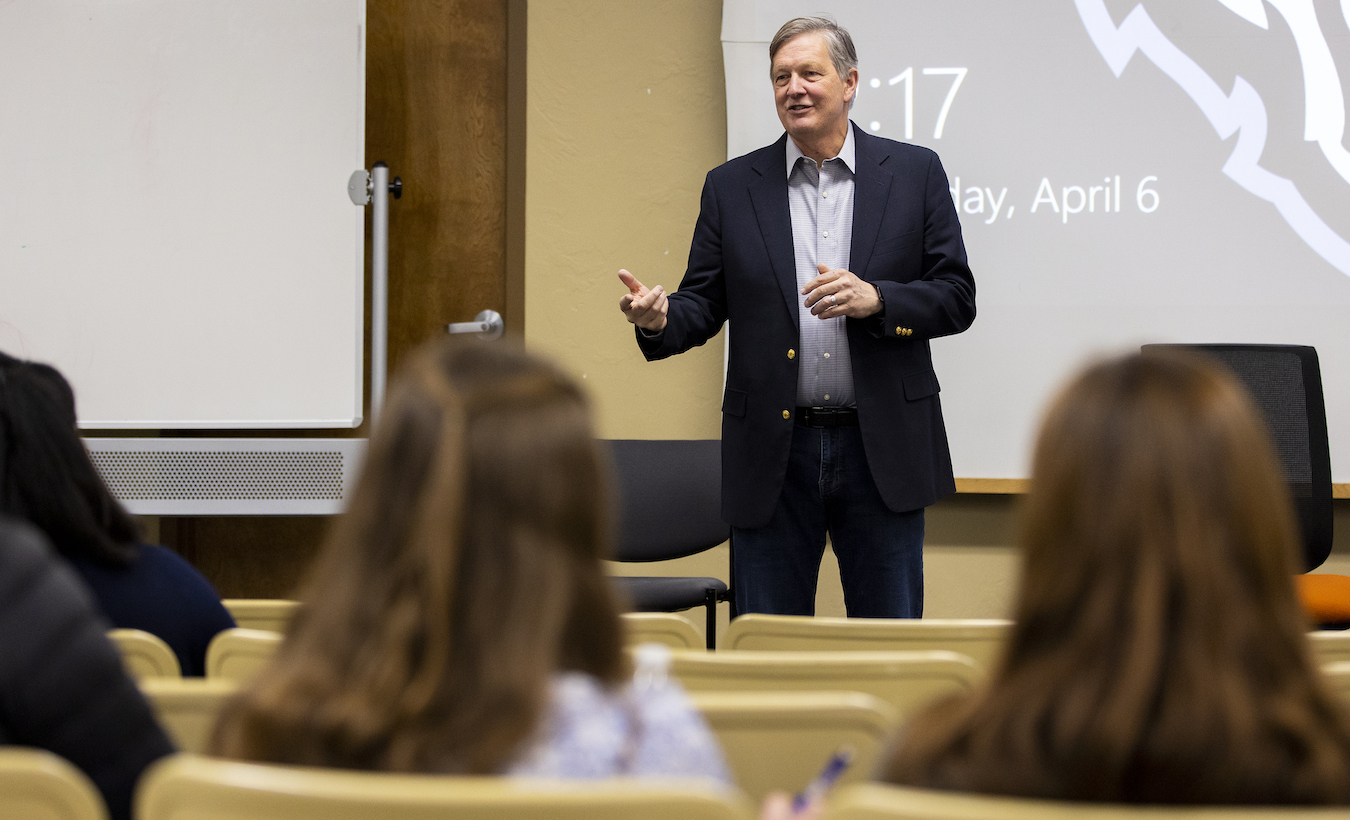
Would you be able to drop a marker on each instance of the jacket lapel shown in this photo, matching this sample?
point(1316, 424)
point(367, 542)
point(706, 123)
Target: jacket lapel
point(768, 195)
point(871, 191)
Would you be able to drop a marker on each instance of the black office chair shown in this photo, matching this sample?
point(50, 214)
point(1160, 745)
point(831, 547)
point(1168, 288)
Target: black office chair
point(670, 506)
point(1285, 382)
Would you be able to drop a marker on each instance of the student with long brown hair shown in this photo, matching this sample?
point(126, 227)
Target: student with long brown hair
point(459, 619)
point(1159, 652)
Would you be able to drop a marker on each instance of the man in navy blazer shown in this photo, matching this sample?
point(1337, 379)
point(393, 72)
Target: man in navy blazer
point(835, 255)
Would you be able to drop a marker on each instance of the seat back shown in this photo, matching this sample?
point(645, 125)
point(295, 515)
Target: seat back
point(907, 681)
point(872, 801)
point(237, 654)
point(37, 785)
point(981, 640)
point(663, 628)
point(1330, 645)
point(1285, 383)
point(670, 498)
point(187, 787)
point(145, 655)
point(778, 741)
point(270, 614)
point(1338, 679)
point(187, 707)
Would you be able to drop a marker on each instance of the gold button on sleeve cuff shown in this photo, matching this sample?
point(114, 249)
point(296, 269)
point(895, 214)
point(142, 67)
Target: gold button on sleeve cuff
point(792, 354)
point(787, 414)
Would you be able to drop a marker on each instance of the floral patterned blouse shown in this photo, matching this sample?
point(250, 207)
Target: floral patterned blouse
point(646, 727)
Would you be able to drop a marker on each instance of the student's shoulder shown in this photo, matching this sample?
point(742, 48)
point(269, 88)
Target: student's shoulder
point(164, 561)
point(160, 565)
point(22, 547)
point(33, 575)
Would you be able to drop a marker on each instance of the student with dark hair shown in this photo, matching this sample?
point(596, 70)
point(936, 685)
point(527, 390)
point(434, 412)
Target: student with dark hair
point(48, 479)
point(458, 619)
point(1159, 654)
point(62, 686)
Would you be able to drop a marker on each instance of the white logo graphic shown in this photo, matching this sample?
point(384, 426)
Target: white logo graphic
point(1242, 110)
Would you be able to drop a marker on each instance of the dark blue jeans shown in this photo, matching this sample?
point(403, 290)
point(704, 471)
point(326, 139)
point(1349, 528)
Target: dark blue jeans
point(829, 488)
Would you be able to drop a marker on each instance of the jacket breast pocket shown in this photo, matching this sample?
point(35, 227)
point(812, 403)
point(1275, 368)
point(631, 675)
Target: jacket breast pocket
point(895, 244)
point(733, 402)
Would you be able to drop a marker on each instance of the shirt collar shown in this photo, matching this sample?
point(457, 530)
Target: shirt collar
point(846, 153)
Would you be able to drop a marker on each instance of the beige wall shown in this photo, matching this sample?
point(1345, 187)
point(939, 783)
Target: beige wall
point(626, 113)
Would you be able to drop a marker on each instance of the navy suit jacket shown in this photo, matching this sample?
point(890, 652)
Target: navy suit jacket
point(906, 241)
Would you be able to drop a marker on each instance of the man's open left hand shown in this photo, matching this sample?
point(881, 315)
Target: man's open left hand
point(838, 292)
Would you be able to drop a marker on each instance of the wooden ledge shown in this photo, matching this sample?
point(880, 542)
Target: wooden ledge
point(1014, 486)
point(993, 486)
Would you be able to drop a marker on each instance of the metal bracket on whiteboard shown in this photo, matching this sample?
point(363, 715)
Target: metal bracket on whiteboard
point(365, 188)
point(359, 187)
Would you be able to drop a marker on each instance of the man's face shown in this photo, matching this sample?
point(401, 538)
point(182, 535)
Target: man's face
point(812, 98)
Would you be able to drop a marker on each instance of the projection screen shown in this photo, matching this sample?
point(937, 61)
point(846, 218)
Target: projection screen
point(1125, 172)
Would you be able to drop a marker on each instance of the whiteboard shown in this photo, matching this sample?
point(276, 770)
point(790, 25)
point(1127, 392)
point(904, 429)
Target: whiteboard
point(176, 234)
point(1126, 172)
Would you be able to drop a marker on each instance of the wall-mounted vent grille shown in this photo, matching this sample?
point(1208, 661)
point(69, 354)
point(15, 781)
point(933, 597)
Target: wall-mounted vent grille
point(255, 476)
point(241, 476)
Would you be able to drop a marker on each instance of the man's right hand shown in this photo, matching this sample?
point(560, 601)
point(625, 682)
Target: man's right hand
point(644, 308)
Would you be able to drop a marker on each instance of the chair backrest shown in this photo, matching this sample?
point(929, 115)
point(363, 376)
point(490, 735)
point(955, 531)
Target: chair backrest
point(187, 707)
point(236, 654)
point(1338, 678)
point(663, 628)
point(872, 801)
point(670, 498)
point(186, 786)
point(270, 614)
point(981, 640)
point(907, 681)
point(145, 655)
point(778, 741)
point(1285, 382)
point(1330, 645)
point(37, 785)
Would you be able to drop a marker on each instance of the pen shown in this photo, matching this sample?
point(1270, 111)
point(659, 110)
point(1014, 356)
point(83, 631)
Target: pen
point(834, 767)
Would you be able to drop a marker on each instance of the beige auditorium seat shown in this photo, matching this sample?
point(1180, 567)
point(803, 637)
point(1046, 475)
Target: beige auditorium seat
point(906, 681)
point(187, 707)
point(662, 627)
point(778, 741)
point(878, 802)
point(236, 654)
point(186, 787)
point(1338, 676)
point(1330, 645)
point(271, 614)
point(981, 639)
point(38, 785)
point(145, 655)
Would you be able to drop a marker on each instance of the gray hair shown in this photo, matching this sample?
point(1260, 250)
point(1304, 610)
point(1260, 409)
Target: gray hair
point(837, 41)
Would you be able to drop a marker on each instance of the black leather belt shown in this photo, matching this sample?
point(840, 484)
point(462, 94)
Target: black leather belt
point(826, 417)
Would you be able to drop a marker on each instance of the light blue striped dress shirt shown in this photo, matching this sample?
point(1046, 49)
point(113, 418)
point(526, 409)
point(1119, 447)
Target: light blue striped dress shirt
point(821, 202)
